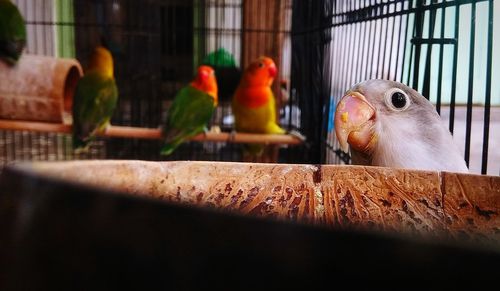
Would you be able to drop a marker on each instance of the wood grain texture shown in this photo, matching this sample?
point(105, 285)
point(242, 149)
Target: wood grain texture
point(390, 199)
point(456, 206)
point(471, 205)
point(269, 190)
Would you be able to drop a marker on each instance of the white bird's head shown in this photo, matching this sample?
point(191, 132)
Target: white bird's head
point(386, 123)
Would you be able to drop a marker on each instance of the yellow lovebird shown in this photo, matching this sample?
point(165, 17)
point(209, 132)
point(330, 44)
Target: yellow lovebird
point(253, 105)
point(95, 99)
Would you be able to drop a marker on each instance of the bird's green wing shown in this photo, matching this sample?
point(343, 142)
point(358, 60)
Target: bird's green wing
point(189, 114)
point(12, 32)
point(94, 103)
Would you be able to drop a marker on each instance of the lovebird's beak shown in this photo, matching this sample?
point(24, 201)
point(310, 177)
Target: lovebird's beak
point(354, 121)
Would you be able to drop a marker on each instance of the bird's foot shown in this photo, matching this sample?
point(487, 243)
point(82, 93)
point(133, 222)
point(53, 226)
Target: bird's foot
point(104, 128)
point(297, 134)
point(213, 129)
point(232, 136)
point(82, 150)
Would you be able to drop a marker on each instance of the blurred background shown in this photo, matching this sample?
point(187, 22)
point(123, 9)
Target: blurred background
point(444, 49)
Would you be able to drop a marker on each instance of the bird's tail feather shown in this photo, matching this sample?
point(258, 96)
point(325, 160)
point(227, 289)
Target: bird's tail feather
point(80, 145)
point(81, 139)
point(170, 147)
point(255, 150)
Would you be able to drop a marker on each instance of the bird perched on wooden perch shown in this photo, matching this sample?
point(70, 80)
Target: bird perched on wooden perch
point(95, 99)
point(191, 109)
point(253, 103)
point(12, 32)
point(388, 124)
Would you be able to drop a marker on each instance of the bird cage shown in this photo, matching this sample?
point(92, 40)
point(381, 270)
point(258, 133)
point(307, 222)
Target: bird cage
point(443, 49)
point(185, 219)
point(157, 46)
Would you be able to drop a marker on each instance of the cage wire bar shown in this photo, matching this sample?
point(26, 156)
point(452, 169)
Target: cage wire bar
point(157, 45)
point(443, 49)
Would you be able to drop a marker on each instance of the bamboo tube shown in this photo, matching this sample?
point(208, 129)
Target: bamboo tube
point(38, 88)
point(153, 133)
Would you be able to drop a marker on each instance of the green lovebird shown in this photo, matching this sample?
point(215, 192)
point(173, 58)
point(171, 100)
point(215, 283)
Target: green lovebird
point(12, 32)
point(228, 75)
point(95, 99)
point(191, 109)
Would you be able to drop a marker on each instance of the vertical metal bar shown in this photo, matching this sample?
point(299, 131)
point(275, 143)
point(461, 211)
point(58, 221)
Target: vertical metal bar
point(378, 72)
point(387, 76)
point(410, 60)
point(360, 52)
point(470, 90)
point(338, 59)
point(343, 32)
point(398, 49)
point(427, 72)
point(350, 69)
point(3, 136)
point(379, 25)
point(325, 98)
point(404, 42)
point(454, 70)
point(440, 65)
point(370, 55)
point(487, 102)
point(418, 28)
point(362, 47)
point(350, 51)
point(9, 146)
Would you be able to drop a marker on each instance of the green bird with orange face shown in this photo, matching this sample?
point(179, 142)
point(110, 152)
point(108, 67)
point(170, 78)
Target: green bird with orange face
point(191, 110)
point(95, 99)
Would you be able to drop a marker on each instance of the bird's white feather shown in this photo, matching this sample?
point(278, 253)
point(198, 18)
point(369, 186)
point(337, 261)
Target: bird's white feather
point(414, 138)
point(399, 145)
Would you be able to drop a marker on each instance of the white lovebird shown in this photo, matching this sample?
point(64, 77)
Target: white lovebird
point(388, 124)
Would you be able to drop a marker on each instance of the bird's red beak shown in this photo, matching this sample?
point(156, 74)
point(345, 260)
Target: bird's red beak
point(203, 75)
point(273, 71)
point(354, 120)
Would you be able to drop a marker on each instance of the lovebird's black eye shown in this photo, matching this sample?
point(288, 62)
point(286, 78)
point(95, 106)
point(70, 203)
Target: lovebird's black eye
point(398, 100)
point(261, 65)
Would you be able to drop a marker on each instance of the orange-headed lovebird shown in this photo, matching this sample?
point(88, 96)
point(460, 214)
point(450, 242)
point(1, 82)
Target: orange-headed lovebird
point(191, 109)
point(95, 99)
point(253, 102)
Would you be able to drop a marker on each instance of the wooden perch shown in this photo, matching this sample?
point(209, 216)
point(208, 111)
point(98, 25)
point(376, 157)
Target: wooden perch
point(152, 133)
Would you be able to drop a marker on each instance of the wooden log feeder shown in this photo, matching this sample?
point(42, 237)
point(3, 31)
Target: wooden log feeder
point(38, 88)
point(462, 207)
